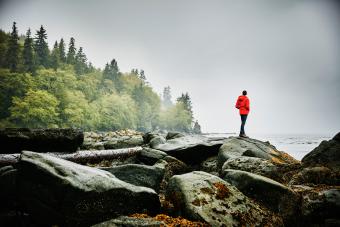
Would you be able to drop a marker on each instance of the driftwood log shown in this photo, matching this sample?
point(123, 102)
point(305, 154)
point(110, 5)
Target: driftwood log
point(84, 156)
point(16, 140)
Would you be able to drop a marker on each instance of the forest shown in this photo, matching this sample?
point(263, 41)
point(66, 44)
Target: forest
point(58, 87)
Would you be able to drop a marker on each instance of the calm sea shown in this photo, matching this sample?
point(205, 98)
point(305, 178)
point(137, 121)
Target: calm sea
point(295, 145)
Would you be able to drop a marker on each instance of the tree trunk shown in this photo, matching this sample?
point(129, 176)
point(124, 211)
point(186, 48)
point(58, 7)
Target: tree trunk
point(82, 157)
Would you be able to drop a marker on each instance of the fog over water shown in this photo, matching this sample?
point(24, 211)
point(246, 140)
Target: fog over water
point(286, 54)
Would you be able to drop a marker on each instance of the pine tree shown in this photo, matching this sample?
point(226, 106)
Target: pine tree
point(167, 97)
point(55, 56)
point(111, 71)
point(142, 75)
point(28, 56)
point(62, 54)
point(71, 54)
point(41, 47)
point(12, 54)
point(80, 65)
point(186, 100)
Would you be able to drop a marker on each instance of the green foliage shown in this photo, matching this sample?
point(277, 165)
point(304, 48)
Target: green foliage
point(113, 112)
point(55, 56)
point(38, 109)
point(80, 64)
point(12, 85)
point(39, 89)
point(62, 53)
point(71, 54)
point(167, 97)
point(3, 48)
point(12, 55)
point(28, 55)
point(41, 47)
point(176, 118)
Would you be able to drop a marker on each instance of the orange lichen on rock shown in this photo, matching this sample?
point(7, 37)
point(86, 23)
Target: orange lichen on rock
point(222, 191)
point(172, 222)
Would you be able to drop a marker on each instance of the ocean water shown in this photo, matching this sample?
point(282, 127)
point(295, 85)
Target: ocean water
point(296, 145)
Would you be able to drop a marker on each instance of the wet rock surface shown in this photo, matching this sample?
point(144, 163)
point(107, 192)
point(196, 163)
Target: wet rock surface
point(191, 149)
point(326, 154)
point(202, 196)
point(209, 181)
point(268, 192)
point(65, 193)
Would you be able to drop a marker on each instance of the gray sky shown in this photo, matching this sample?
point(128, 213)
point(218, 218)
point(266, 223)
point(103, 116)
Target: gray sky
point(286, 54)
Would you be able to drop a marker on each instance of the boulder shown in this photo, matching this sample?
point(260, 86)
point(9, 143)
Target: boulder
point(8, 195)
point(140, 175)
point(125, 221)
point(124, 142)
point(191, 149)
point(210, 165)
point(147, 137)
point(268, 192)
point(40, 140)
point(235, 147)
point(173, 167)
point(56, 191)
point(321, 207)
point(174, 135)
point(150, 156)
point(258, 166)
point(205, 197)
point(326, 154)
point(316, 175)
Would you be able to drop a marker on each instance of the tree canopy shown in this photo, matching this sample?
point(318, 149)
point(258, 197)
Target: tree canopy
point(40, 87)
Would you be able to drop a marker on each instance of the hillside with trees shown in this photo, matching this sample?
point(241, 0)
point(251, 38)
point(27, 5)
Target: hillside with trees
point(59, 87)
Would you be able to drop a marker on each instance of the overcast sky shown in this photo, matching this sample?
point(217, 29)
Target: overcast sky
point(286, 54)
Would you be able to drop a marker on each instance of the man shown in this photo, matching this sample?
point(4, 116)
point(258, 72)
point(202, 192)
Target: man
point(243, 105)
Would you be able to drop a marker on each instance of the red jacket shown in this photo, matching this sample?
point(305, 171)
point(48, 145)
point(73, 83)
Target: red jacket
point(243, 104)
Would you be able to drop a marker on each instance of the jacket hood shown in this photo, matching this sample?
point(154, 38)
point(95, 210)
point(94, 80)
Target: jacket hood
point(242, 97)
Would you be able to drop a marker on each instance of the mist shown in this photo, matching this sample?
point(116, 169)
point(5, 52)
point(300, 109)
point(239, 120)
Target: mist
point(286, 54)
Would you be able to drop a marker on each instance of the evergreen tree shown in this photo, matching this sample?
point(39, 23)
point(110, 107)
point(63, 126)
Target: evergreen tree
point(111, 70)
point(167, 97)
point(12, 54)
point(28, 56)
point(71, 54)
point(142, 75)
point(185, 99)
point(41, 47)
point(3, 48)
point(55, 56)
point(81, 60)
point(62, 54)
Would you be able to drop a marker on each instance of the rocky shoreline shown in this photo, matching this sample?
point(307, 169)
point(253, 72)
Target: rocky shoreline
point(171, 179)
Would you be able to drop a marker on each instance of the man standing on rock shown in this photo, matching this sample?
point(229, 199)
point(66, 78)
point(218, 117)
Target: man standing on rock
point(243, 105)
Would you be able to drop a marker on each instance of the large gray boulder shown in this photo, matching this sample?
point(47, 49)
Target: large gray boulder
point(235, 147)
point(191, 149)
point(140, 175)
point(56, 191)
point(272, 194)
point(150, 156)
point(255, 165)
point(316, 175)
point(40, 140)
point(205, 197)
point(321, 207)
point(326, 154)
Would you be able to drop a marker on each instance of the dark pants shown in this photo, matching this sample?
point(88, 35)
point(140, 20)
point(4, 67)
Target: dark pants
point(243, 120)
